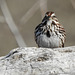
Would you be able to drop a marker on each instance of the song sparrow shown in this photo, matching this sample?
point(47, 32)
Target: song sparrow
point(50, 33)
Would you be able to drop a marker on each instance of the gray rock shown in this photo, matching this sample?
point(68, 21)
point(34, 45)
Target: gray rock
point(39, 61)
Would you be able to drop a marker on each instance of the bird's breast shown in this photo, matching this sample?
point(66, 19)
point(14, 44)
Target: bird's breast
point(44, 41)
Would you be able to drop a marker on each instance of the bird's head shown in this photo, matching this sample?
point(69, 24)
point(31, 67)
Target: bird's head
point(48, 16)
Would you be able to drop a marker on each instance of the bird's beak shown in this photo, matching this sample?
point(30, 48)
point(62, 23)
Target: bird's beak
point(46, 18)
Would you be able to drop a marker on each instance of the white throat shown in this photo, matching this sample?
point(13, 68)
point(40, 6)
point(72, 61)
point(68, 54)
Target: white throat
point(49, 22)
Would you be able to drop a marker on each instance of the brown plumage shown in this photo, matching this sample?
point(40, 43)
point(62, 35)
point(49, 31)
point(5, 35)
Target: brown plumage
point(50, 33)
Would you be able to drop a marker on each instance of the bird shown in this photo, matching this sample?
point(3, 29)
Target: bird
point(50, 33)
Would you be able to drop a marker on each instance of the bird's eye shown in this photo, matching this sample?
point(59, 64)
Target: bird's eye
point(49, 14)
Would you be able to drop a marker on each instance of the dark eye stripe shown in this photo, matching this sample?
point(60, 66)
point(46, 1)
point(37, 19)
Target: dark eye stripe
point(54, 16)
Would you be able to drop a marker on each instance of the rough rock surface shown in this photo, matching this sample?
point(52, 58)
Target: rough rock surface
point(39, 61)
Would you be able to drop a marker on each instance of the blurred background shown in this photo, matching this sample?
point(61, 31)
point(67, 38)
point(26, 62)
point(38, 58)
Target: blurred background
point(18, 19)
